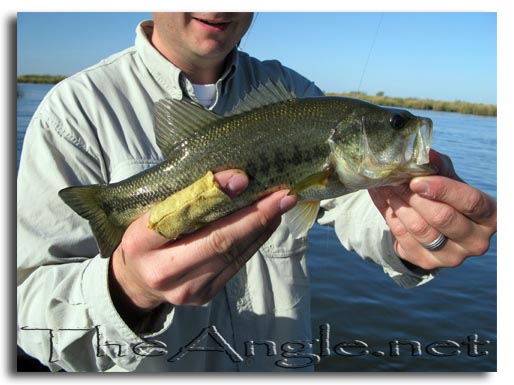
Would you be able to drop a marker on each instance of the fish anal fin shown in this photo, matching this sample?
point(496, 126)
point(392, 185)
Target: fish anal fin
point(301, 217)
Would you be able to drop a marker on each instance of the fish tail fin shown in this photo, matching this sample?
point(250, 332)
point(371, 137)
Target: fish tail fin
point(86, 201)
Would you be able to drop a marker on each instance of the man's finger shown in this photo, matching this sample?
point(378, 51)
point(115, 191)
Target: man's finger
point(444, 165)
point(233, 234)
point(469, 201)
point(232, 182)
point(139, 237)
point(216, 252)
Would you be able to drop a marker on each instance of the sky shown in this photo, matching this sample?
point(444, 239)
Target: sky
point(436, 55)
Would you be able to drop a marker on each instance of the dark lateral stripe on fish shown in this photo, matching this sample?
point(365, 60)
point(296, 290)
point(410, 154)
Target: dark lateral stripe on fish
point(320, 148)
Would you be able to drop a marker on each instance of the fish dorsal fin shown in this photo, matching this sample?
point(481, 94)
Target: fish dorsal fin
point(177, 120)
point(301, 217)
point(265, 94)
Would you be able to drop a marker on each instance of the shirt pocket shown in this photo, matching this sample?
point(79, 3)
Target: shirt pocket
point(278, 281)
point(285, 256)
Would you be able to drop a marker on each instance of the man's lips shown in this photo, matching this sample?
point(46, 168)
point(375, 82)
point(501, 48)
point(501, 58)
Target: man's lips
point(213, 24)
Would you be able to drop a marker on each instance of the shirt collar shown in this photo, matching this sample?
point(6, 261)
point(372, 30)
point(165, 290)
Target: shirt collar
point(166, 73)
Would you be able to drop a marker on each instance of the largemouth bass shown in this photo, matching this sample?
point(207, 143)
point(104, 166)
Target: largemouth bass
point(319, 148)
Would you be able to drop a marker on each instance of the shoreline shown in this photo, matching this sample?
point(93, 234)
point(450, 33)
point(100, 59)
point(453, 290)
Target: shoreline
point(40, 79)
point(423, 104)
point(380, 99)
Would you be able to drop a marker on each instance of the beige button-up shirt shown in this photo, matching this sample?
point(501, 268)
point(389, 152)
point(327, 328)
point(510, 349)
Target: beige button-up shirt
point(96, 127)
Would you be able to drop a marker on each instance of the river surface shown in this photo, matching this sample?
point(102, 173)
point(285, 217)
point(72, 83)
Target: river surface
point(366, 321)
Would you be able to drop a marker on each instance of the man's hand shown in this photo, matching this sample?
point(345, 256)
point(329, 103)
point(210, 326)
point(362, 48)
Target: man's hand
point(148, 270)
point(432, 205)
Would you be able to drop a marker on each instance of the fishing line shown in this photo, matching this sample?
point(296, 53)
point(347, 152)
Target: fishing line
point(370, 50)
point(242, 46)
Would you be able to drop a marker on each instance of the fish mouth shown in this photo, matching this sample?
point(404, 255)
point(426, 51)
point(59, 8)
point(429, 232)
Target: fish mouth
point(416, 153)
point(417, 147)
point(412, 159)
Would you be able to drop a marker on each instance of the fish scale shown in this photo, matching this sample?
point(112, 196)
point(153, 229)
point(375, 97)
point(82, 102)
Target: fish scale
point(314, 146)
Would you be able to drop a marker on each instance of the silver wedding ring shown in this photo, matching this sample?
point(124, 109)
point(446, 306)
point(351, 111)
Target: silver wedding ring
point(436, 244)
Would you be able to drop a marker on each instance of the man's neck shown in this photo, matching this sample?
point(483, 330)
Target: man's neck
point(208, 73)
point(199, 70)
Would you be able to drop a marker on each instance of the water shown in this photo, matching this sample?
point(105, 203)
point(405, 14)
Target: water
point(360, 302)
point(448, 324)
point(29, 97)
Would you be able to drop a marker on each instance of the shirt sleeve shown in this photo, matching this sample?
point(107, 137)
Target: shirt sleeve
point(360, 228)
point(66, 318)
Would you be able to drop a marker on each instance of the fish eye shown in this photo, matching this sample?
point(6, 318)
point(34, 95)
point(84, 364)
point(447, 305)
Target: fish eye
point(397, 122)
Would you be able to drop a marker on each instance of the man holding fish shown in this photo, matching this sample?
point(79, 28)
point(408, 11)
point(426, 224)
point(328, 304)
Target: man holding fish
point(244, 271)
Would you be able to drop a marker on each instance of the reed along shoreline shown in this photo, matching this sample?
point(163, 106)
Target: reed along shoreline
point(424, 104)
point(380, 99)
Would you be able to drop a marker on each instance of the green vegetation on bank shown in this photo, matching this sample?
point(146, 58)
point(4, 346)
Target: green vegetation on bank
point(424, 104)
point(379, 98)
point(40, 79)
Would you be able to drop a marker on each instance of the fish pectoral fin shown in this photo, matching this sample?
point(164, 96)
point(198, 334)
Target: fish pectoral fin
point(301, 217)
point(319, 179)
point(185, 210)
